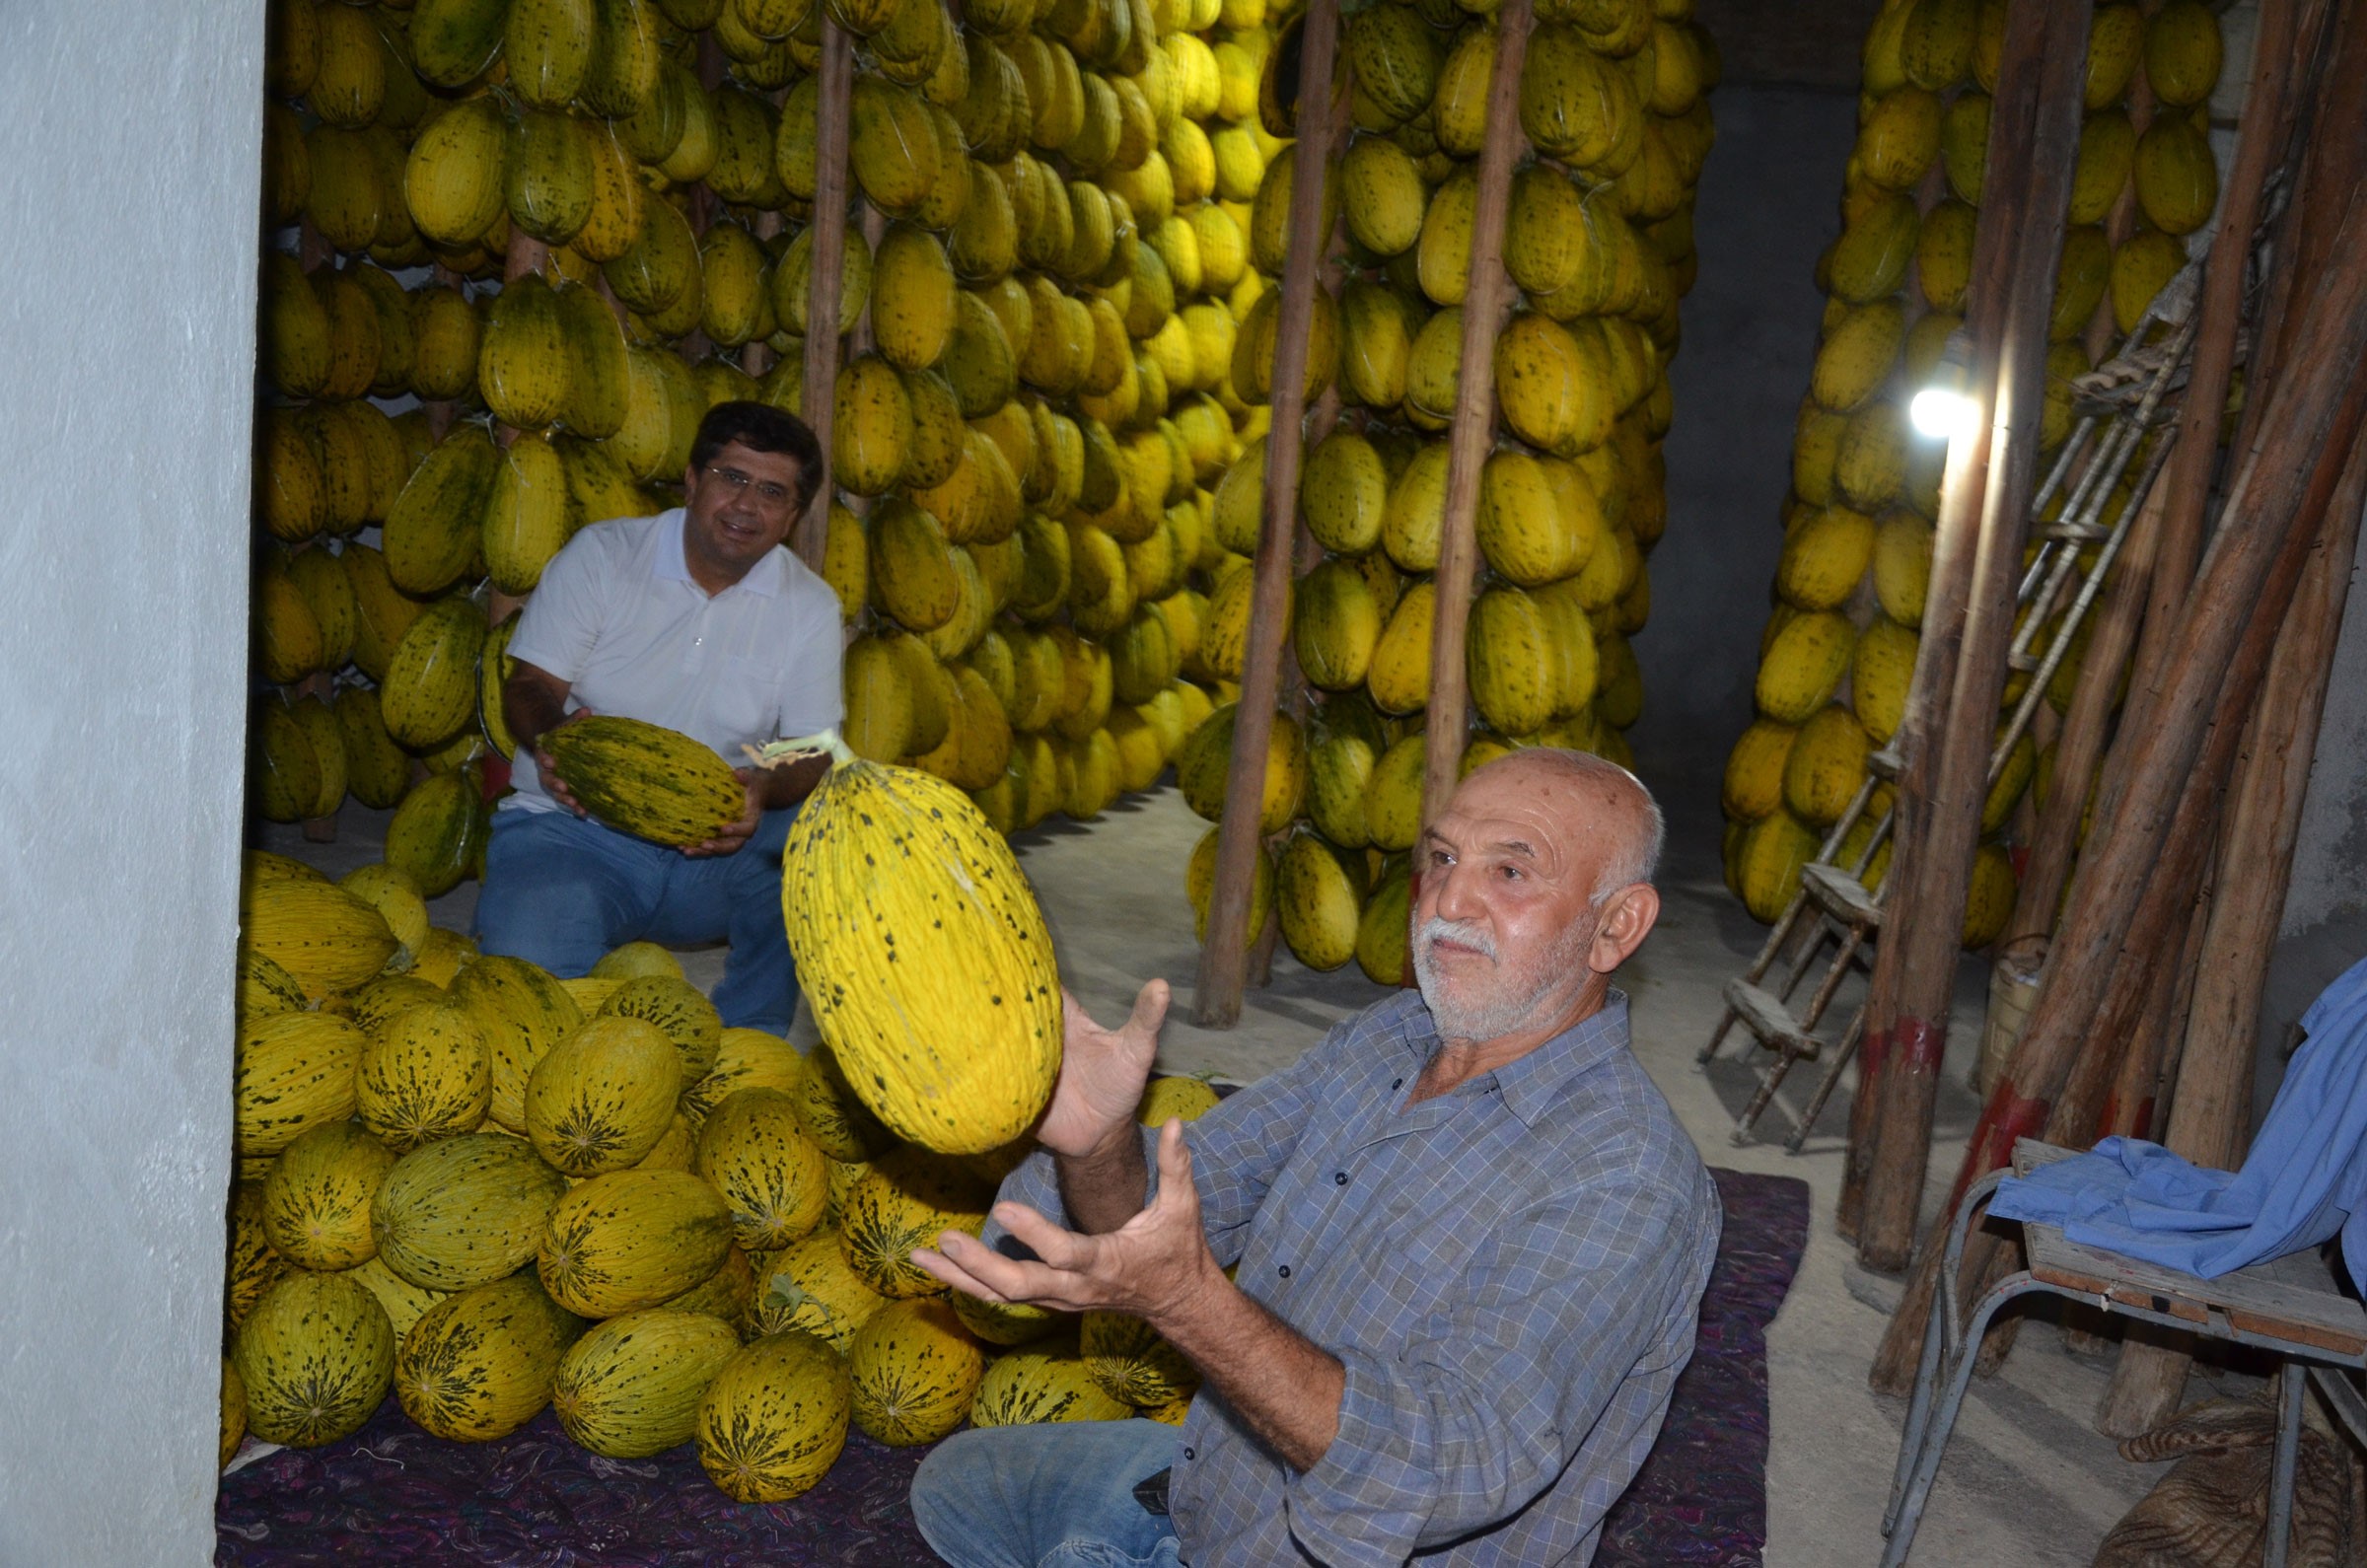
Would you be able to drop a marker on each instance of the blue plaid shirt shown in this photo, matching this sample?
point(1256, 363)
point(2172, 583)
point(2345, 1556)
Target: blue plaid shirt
point(1509, 1272)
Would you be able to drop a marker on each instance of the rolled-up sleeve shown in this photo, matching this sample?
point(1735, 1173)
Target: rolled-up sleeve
point(1491, 1398)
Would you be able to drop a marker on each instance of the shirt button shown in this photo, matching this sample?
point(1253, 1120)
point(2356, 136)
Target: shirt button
point(1187, 1453)
point(1396, 1082)
point(1284, 1271)
point(1340, 1178)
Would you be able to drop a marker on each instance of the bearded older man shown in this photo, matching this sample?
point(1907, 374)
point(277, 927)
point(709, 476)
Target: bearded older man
point(1471, 1242)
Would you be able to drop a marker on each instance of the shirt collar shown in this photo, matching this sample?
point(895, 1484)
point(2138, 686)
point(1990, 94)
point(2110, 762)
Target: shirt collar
point(671, 565)
point(1531, 1084)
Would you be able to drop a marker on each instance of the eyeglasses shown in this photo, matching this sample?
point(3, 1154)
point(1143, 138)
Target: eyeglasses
point(772, 497)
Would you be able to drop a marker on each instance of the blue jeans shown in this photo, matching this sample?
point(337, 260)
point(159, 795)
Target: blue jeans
point(561, 890)
point(1059, 1495)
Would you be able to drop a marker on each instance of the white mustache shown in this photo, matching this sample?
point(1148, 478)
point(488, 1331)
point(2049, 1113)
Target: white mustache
point(1460, 932)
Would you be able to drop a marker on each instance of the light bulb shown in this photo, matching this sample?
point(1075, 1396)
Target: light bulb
point(1941, 413)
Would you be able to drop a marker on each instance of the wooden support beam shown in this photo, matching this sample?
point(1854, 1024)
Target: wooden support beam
point(825, 276)
point(2210, 1114)
point(2259, 147)
point(1224, 953)
point(2086, 727)
point(2283, 483)
point(1472, 433)
point(1960, 673)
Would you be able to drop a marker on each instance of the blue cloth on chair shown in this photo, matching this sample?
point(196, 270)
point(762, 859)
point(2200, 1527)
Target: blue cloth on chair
point(2305, 1178)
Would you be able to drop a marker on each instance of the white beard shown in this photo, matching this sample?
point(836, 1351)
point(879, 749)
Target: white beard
point(1507, 1007)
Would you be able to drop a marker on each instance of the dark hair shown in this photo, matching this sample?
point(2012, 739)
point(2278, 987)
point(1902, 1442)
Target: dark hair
point(760, 427)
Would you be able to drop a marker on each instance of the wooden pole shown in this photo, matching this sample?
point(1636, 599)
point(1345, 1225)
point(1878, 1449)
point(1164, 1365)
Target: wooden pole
point(1473, 432)
point(2085, 728)
point(820, 397)
point(1959, 675)
point(2248, 580)
point(2210, 1117)
point(2187, 480)
point(1224, 955)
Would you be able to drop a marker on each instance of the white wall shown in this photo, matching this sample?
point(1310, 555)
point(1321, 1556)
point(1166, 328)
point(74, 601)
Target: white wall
point(129, 150)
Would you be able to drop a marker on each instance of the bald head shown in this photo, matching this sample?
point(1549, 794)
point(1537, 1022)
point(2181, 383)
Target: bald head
point(1535, 885)
point(1595, 796)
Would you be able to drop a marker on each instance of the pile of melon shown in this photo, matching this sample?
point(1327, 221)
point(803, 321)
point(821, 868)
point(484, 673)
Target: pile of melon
point(1838, 651)
point(491, 1191)
point(1614, 125)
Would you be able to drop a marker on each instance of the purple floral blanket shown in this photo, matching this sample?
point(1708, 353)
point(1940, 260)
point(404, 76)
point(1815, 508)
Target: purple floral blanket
point(392, 1495)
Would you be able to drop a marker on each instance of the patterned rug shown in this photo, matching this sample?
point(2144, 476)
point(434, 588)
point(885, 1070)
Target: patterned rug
point(391, 1494)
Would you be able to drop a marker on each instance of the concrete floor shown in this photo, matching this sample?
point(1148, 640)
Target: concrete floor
point(2026, 1480)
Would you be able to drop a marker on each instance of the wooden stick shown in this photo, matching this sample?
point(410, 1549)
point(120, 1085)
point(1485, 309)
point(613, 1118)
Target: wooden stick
point(1960, 673)
point(2210, 1117)
point(2081, 748)
point(2248, 580)
point(1224, 955)
point(825, 281)
point(1473, 432)
point(756, 355)
point(2187, 480)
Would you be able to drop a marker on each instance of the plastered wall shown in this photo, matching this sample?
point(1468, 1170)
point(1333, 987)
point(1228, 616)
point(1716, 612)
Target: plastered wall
point(129, 149)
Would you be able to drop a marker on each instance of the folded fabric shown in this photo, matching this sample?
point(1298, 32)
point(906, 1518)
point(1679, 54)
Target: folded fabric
point(2305, 1179)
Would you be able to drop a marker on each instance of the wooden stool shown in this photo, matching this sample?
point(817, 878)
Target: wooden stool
point(2288, 1305)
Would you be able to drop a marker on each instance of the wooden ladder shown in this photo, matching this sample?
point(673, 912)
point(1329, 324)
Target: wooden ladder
point(1832, 904)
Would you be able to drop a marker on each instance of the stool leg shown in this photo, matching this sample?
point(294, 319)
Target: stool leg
point(1943, 1420)
point(2292, 1379)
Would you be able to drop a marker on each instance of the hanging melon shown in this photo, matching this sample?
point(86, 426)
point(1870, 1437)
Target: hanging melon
point(633, 1239)
point(316, 1355)
point(631, 1386)
point(479, 1365)
point(773, 1421)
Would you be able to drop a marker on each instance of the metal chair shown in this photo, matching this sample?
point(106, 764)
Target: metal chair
point(2289, 1306)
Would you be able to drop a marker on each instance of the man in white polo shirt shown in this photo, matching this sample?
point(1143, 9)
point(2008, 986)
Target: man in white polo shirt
point(699, 620)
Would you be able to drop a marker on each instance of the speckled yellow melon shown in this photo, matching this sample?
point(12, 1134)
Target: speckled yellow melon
point(915, 1371)
point(773, 1420)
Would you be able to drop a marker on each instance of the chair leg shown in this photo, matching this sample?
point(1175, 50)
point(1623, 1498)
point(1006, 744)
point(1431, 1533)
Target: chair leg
point(1939, 1331)
point(2292, 1379)
point(1918, 1417)
point(1943, 1420)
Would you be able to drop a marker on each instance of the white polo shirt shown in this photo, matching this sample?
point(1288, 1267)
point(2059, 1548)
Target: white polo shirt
point(618, 616)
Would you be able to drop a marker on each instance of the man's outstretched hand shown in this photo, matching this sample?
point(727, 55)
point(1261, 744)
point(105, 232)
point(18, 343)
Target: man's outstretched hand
point(1102, 1075)
point(1156, 1265)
